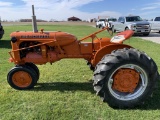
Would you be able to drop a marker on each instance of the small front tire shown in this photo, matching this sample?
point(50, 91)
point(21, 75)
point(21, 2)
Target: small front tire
point(35, 68)
point(21, 78)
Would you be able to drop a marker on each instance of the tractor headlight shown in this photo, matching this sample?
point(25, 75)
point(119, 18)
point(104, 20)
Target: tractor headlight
point(14, 39)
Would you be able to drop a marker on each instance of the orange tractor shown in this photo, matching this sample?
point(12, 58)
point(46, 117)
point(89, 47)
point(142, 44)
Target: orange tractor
point(123, 76)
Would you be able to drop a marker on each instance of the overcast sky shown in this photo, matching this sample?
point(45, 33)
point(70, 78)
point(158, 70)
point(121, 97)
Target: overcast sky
point(84, 9)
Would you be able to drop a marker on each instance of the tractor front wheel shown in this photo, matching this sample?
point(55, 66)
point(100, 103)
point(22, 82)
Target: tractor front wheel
point(22, 78)
point(125, 78)
point(35, 68)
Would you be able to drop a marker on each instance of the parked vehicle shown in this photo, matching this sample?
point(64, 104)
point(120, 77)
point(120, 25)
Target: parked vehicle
point(1, 31)
point(101, 23)
point(155, 24)
point(134, 23)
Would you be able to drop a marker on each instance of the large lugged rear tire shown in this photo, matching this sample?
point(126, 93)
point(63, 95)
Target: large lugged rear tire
point(125, 78)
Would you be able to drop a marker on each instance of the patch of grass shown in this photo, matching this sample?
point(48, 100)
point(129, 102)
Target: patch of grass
point(64, 90)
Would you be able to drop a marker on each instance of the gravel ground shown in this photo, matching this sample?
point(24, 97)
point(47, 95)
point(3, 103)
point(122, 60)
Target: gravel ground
point(154, 36)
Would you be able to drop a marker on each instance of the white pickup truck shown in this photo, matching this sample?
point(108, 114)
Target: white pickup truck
point(101, 23)
point(134, 23)
point(155, 24)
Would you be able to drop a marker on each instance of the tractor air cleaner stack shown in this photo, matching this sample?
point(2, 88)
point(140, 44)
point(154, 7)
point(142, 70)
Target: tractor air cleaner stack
point(34, 24)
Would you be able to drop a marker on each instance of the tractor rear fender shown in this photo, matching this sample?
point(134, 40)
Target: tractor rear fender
point(106, 50)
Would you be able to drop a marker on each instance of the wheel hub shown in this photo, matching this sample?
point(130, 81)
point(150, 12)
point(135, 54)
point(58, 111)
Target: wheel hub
point(125, 80)
point(22, 79)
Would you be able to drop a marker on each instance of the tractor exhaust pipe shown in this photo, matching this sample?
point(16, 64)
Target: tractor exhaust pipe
point(34, 23)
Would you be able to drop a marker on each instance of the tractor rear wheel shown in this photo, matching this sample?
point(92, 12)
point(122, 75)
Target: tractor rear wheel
point(125, 78)
point(22, 78)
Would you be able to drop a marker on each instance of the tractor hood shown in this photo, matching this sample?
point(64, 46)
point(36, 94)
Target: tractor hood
point(62, 38)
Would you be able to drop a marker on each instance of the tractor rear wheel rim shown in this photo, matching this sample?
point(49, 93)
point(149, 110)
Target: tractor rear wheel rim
point(125, 80)
point(22, 79)
point(138, 89)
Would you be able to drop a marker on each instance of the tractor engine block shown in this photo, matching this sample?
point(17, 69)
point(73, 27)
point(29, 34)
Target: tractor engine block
point(28, 49)
point(41, 53)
